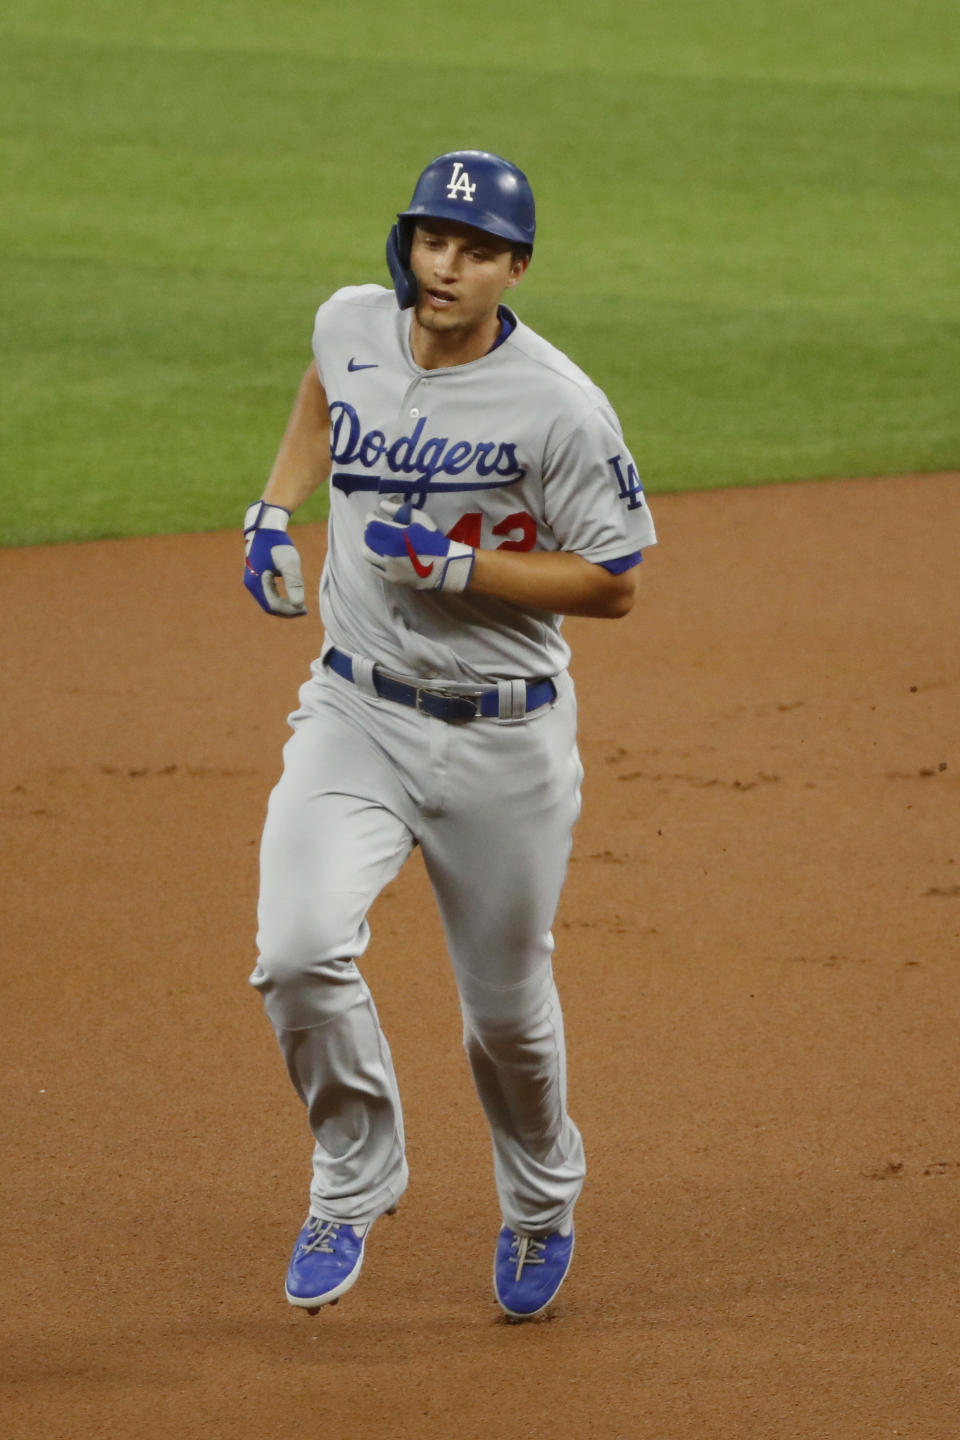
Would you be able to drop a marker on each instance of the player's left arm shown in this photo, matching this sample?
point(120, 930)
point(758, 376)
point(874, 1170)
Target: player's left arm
point(555, 580)
point(406, 547)
point(594, 508)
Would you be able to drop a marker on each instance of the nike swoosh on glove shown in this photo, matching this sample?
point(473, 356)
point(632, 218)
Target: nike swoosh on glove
point(405, 546)
point(271, 553)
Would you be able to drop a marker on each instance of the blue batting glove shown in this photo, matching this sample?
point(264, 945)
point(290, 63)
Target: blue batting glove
point(271, 554)
point(405, 546)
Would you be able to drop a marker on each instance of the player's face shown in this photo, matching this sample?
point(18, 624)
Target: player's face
point(461, 274)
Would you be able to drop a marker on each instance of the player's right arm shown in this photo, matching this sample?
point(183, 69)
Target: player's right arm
point(303, 460)
point(302, 464)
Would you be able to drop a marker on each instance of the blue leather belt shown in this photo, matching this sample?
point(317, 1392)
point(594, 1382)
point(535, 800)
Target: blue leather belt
point(442, 704)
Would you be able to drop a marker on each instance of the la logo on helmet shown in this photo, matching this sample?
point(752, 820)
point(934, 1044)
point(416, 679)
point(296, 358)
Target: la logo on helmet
point(459, 183)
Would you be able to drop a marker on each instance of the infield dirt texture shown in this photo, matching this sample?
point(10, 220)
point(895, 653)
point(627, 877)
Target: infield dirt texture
point(757, 951)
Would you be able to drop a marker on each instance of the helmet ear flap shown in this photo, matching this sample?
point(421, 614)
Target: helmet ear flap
point(398, 263)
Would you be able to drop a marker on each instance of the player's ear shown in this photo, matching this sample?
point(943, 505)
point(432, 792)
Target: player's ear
point(518, 268)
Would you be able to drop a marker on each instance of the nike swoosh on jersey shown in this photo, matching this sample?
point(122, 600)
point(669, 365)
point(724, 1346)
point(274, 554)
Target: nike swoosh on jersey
point(353, 364)
point(422, 570)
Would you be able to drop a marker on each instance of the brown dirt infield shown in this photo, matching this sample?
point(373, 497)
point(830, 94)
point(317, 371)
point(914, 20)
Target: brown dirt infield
point(758, 956)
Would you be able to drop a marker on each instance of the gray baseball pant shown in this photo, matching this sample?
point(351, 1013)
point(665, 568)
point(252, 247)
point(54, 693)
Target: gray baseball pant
point(492, 805)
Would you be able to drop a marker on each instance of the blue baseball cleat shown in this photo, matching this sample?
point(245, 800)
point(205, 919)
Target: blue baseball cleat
point(326, 1261)
point(528, 1270)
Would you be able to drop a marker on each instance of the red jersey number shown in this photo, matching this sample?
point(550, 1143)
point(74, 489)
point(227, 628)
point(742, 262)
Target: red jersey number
point(521, 526)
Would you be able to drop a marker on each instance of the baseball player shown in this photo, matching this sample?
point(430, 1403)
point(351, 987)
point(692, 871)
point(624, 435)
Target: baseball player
point(480, 489)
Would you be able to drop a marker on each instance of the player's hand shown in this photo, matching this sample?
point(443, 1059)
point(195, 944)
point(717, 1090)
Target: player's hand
point(405, 546)
point(272, 555)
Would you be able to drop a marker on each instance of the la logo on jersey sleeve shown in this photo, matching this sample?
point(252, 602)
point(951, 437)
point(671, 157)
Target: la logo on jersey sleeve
point(459, 183)
point(629, 484)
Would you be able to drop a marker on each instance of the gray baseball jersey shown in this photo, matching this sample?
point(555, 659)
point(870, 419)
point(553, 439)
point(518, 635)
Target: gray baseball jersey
point(517, 450)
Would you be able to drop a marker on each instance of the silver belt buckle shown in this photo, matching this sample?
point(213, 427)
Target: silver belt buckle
point(464, 700)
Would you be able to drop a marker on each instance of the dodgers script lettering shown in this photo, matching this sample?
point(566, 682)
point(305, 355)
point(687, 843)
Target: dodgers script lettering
point(414, 463)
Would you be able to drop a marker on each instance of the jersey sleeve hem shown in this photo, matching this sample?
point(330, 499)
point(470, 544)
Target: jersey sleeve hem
point(622, 563)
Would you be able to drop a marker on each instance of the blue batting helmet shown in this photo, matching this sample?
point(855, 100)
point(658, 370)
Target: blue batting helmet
point(474, 187)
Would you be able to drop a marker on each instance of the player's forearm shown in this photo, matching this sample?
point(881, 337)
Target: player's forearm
point(303, 459)
point(564, 583)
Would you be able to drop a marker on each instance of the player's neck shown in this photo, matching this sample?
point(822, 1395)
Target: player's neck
point(439, 349)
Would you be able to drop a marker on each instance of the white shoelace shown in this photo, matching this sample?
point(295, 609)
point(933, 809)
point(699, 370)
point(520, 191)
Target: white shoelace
point(323, 1238)
point(527, 1251)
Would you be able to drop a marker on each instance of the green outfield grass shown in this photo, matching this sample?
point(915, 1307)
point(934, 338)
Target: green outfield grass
point(748, 229)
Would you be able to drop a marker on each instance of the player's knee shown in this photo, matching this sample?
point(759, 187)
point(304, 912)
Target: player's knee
point(306, 970)
point(512, 1027)
point(299, 996)
point(283, 969)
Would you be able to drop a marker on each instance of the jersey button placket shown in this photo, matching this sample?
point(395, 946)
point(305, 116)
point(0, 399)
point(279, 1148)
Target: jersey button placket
point(413, 400)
